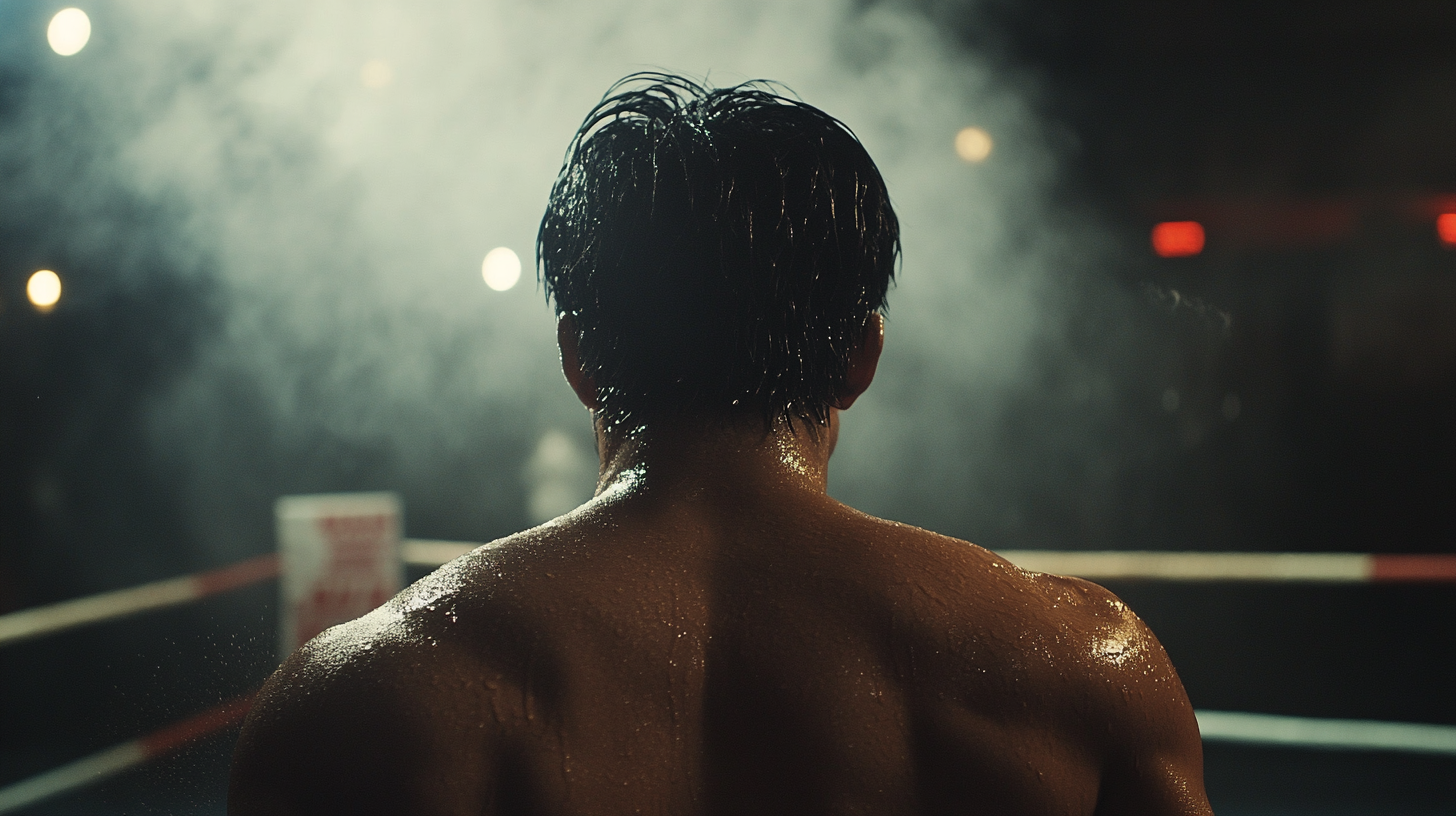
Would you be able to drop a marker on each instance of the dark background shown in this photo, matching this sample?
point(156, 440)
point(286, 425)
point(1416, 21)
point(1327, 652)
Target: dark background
point(1342, 348)
point(1310, 138)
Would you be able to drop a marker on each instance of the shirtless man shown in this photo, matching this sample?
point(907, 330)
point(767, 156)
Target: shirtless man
point(712, 633)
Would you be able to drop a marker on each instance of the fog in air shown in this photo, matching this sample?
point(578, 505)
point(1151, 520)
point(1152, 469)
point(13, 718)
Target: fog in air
point(328, 178)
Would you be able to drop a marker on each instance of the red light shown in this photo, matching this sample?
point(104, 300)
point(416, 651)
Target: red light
point(1177, 239)
point(1446, 228)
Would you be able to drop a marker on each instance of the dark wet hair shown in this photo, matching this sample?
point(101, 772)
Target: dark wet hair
point(718, 249)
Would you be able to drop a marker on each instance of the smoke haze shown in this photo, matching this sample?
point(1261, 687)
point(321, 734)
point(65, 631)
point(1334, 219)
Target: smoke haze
point(328, 176)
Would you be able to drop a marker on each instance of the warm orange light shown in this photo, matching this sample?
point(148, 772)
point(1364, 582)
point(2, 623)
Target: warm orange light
point(973, 144)
point(1177, 239)
point(1446, 228)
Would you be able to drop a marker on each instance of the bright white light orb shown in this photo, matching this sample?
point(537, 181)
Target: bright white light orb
point(501, 269)
point(376, 74)
point(973, 145)
point(69, 31)
point(44, 289)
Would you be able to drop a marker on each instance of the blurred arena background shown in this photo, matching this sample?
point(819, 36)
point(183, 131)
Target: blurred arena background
point(1178, 276)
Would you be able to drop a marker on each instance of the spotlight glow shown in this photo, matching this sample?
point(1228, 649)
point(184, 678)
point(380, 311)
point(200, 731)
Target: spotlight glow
point(1446, 228)
point(501, 269)
point(973, 145)
point(69, 31)
point(1178, 239)
point(44, 290)
point(376, 74)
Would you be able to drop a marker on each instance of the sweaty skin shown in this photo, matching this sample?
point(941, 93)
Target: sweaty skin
point(714, 634)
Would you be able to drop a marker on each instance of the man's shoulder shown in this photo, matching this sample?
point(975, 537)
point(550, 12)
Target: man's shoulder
point(362, 703)
point(1070, 652)
point(976, 597)
point(357, 680)
point(420, 633)
point(964, 574)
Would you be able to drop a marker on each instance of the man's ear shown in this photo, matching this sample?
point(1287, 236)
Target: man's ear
point(569, 341)
point(864, 358)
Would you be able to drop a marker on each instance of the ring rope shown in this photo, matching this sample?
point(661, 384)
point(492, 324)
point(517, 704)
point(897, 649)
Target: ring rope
point(26, 624)
point(1215, 726)
point(129, 754)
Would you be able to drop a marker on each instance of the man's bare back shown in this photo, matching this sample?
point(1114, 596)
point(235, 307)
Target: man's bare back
point(712, 633)
point(718, 636)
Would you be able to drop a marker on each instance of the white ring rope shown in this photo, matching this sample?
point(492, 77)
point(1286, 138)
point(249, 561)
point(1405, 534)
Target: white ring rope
point(129, 754)
point(1329, 734)
point(1215, 726)
point(1212, 566)
point(57, 617)
point(1125, 565)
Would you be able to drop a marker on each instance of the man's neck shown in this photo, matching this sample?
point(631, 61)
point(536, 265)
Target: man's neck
point(715, 454)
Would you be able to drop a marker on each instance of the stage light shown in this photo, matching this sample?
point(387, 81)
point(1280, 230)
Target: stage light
point(973, 144)
point(376, 74)
point(44, 289)
point(1178, 239)
point(501, 269)
point(1446, 228)
point(69, 31)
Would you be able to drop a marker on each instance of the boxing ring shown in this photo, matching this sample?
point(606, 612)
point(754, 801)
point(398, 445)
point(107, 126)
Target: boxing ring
point(1216, 726)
